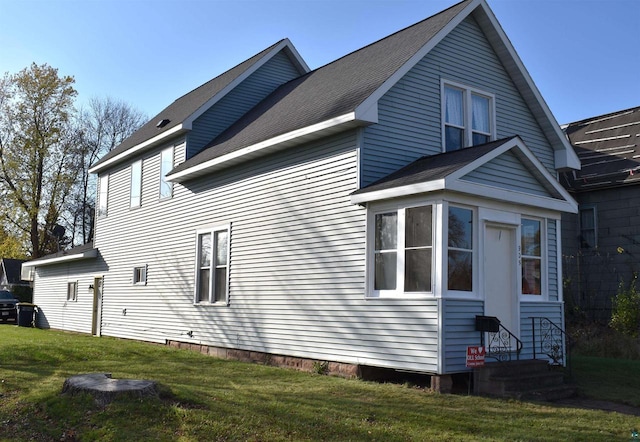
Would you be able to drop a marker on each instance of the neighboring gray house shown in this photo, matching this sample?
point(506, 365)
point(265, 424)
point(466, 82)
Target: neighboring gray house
point(10, 275)
point(601, 244)
point(339, 214)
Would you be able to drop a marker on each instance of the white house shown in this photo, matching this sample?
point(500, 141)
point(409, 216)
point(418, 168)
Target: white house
point(363, 213)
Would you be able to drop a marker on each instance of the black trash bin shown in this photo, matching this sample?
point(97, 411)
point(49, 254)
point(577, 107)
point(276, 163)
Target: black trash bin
point(26, 314)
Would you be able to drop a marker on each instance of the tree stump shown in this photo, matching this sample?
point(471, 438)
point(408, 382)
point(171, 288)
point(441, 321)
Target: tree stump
point(104, 389)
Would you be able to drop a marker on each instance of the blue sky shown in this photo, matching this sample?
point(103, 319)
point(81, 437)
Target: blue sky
point(584, 55)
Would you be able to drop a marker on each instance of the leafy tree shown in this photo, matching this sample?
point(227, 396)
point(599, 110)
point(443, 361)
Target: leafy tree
point(38, 156)
point(100, 127)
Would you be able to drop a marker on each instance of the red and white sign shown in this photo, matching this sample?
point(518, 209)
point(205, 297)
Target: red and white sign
point(475, 356)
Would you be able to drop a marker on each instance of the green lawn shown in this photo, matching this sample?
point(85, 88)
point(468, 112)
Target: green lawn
point(207, 399)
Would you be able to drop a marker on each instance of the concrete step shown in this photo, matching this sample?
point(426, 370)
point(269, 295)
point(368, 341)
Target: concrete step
point(527, 379)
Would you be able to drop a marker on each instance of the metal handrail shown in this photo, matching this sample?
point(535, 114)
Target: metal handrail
point(502, 344)
point(553, 341)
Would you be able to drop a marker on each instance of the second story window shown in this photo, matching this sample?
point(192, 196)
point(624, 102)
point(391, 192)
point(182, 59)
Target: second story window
point(166, 164)
point(467, 117)
point(136, 183)
point(103, 193)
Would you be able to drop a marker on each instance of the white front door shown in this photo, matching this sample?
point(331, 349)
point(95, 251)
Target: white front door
point(500, 275)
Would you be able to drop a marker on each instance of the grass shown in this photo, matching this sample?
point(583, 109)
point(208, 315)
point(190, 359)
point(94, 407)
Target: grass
point(203, 398)
point(616, 380)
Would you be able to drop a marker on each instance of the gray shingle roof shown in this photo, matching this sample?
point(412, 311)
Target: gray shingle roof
point(432, 168)
point(327, 92)
point(608, 148)
point(178, 111)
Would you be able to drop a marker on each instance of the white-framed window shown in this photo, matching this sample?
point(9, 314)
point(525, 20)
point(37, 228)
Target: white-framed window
point(402, 251)
point(588, 227)
point(72, 291)
point(136, 184)
point(103, 194)
point(166, 164)
point(212, 266)
point(140, 275)
point(460, 249)
point(531, 256)
point(468, 116)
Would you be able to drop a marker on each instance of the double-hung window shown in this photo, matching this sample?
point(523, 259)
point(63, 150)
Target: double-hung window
point(136, 183)
point(103, 194)
point(460, 254)
point(403, 251)
point(166, 164)
point(212, 272)
point(467, 117)
point(531, 251)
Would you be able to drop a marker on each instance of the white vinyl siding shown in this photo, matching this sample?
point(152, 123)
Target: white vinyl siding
point(296, 264)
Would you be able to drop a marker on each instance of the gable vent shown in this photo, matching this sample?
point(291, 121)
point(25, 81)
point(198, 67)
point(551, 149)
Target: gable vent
point(162, 123)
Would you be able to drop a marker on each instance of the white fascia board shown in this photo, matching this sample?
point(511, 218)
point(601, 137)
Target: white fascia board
point(188, 122)
point(565, 157)
point(75, 257)
point(371, 101)
point(398, 192)
point(263, 145)
point(512, 196)
point(135, 149)
point(516, 143)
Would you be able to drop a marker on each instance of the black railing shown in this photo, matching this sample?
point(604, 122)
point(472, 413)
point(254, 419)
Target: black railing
point(549, 339)
point(501, 343)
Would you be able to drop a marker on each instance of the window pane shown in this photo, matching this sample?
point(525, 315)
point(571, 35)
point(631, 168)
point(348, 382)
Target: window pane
point(166, 164)
point(222, 244)
point(453, 138)
point(418, 226)
point(460, 270)
point(205, 250)
point(531, 276)
point(480, 139)
point(385, 277)
point(417, 273)
point(136, 183)
point(460, 228)
point(453, 106)
point(530, 237)
point(220, 293)
point(480, 114)
point(203, 285)
point(102, 197)
point(386, 231)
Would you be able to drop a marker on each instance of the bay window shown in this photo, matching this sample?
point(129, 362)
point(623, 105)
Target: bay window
point(460, 253)
point(531, 251)
point(403, 251)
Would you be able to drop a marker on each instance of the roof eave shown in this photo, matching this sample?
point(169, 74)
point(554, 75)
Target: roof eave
point(139, 148)
point(271, 145)
point(92, 253)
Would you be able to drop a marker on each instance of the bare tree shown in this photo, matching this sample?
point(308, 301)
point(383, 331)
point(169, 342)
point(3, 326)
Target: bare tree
point(100, 127)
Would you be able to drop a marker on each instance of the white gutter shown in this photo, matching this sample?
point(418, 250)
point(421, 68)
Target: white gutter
point(92, 253)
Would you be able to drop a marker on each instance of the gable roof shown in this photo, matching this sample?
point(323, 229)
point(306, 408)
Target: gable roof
point(345, 93)
point(608, 147)
point(449, 171)
point(11, 269)
point(181, 113)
